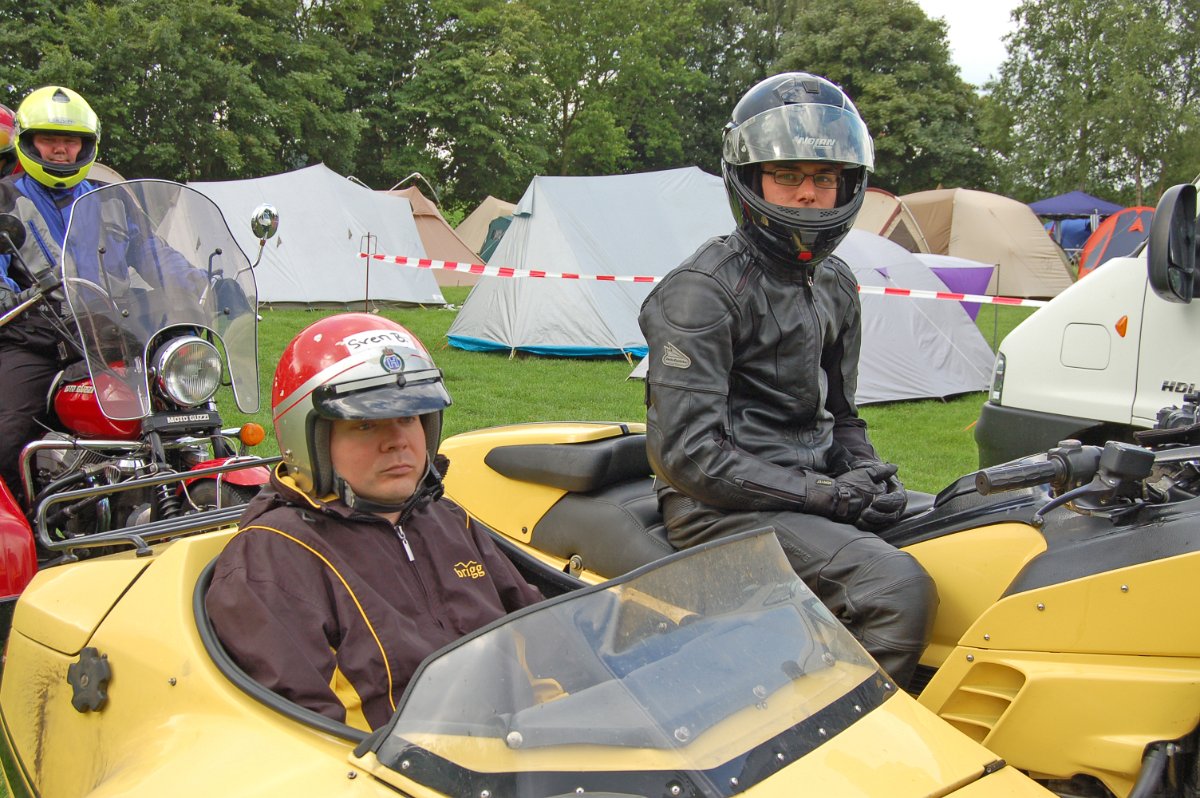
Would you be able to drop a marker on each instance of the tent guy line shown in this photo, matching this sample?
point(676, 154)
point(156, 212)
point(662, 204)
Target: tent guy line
point(508, 271)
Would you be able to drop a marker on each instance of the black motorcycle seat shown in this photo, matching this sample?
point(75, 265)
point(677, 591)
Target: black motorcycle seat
point(574, 467)
point(611, 530)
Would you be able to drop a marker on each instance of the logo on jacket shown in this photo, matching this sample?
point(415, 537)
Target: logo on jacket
point(469, 570)
point(674, 357)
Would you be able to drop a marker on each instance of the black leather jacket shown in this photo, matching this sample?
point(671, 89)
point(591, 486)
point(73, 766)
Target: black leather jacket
point(753, 366)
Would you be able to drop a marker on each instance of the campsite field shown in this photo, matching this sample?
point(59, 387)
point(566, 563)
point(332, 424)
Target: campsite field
point(931, 440)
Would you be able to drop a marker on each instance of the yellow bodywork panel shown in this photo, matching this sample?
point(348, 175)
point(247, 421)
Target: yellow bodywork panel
point(62, 606)
point(972, 569)
point(172, 725)
point(1100, 710)
point(1123, 611)
point(511, 506)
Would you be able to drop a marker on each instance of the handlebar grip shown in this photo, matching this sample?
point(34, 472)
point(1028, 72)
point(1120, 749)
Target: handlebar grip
point(1016, 476)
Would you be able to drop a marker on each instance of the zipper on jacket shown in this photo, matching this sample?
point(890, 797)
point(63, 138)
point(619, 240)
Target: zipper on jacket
point(404, 542)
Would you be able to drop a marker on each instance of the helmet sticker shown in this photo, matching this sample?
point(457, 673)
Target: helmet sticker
point(359, 340)
point(390, 361)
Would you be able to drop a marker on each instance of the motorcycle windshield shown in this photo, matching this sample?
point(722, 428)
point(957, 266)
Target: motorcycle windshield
point(146, 255)
point(711, 665)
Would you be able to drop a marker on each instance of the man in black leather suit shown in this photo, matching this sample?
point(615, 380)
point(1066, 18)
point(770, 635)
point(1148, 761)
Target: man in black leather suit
point(754, 345)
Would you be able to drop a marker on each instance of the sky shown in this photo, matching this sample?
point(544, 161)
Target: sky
point(975, 31)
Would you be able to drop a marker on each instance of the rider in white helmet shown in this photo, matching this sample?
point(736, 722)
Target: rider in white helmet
point(350, 569)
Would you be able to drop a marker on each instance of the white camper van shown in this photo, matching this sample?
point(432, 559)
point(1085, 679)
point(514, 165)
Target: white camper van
point(1104, 356)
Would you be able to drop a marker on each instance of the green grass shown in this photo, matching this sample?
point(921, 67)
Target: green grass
point(931, 440)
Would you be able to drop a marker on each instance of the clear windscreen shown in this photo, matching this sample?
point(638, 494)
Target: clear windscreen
point(687, 665)
point(146, 255)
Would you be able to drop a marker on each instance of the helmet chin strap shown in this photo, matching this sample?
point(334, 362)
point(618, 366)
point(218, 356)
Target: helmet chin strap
point(429, 489)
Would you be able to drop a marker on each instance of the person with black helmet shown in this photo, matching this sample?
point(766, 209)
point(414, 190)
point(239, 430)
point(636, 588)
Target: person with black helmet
point(348, 571)
point(753, 365)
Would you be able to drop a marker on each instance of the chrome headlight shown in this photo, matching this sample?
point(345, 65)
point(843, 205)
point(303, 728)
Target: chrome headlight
point(188, 371)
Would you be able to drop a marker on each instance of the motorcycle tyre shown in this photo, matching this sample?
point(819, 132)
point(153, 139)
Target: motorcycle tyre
point(204, 494)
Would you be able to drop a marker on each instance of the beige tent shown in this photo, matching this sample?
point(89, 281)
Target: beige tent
point(438, 238)
point(474, 228)
point(992, 229)
point(885, 215)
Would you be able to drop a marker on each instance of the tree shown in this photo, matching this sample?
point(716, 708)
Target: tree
point(200, 90)
point(894, 63)
point(1093, 96)
point(474, 105)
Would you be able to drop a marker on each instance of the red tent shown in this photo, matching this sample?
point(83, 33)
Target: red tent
point(1118, 235)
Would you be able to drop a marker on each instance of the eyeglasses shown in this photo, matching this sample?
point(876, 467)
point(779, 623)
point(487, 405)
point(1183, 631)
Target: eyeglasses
point(790, 178)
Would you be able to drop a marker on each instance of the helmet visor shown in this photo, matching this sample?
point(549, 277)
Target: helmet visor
point(403, 395)
point(801, 132)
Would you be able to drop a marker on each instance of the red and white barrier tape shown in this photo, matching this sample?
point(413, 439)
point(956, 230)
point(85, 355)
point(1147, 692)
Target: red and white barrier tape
point(508, 271)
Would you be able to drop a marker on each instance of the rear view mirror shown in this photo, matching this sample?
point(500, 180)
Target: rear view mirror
point(12, 234)
point(264, 222)
point(1171, 259)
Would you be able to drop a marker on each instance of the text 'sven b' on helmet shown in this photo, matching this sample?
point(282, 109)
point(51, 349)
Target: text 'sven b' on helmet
point(55, 110)
point(350, 366)
point(795, 116)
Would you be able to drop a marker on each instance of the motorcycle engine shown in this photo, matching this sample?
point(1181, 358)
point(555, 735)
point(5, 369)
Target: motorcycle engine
point(51, 463)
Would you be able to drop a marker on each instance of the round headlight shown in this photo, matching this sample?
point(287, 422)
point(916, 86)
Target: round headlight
point(189, 371)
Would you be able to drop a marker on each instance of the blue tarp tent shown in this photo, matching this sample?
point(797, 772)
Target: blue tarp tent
point(1074, 205)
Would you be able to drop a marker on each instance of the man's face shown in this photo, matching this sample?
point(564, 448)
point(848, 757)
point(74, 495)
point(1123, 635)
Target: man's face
point(792, 184)
point(381, 459)
point(57, 147)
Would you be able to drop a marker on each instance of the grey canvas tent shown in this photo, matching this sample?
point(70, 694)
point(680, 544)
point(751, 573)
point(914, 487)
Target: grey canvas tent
point(640, 224)
point(911, 348)
point(324, 223)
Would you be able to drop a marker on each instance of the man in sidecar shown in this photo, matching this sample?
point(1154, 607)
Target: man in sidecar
point(348, 571)
point(753, 365)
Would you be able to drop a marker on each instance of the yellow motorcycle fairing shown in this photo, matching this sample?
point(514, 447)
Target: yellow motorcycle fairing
point(1099, 664)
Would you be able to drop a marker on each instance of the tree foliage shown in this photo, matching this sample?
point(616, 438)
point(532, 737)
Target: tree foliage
point(478, 96)
point(1097, 95)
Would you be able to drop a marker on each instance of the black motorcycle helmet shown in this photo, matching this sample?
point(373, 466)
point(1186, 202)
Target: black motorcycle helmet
point(795, 116)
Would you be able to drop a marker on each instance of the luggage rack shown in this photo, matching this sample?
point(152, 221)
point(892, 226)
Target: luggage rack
point(141, 535)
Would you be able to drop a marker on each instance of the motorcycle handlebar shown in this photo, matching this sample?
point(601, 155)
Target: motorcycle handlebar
point(13, 305)
point(1014, 476)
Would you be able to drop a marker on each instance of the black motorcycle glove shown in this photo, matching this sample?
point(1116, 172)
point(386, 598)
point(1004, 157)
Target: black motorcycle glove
point(868, 477)
point(836, 500)
point(885, 509)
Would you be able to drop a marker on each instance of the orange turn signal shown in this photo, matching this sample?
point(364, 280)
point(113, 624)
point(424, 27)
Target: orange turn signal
point(1122, 325)
point(252, 434)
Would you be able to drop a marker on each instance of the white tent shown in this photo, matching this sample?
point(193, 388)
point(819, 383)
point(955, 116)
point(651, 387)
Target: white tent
point(911, 348)
point(641, 224)
point(325, 221)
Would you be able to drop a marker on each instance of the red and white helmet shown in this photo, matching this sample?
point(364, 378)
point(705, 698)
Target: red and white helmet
point(350, 366)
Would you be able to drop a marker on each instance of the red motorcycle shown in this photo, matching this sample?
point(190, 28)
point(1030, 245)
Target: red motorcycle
point(161, 306)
